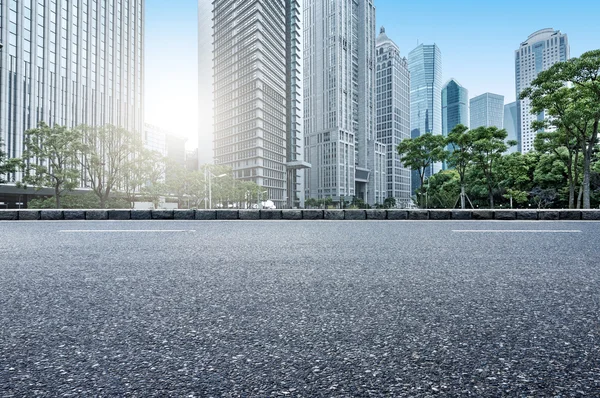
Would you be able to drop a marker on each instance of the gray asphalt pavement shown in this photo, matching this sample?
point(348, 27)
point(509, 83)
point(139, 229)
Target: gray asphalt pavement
point(307, 309)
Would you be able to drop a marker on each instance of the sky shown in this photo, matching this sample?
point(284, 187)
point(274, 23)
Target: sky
point(477, 40)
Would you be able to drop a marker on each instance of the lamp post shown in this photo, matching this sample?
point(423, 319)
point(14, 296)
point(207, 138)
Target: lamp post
point(208, 175)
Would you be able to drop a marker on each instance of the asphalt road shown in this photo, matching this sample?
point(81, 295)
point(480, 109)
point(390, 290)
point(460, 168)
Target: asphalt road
point(311, 309)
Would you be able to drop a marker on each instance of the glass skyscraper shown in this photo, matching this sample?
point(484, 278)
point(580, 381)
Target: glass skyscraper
point(70, 63)
point(339, 85)
point(487, 110)
point(511, 121)
point(539, 52)
point(393, 114)
point(425, 66)
point(455, 106)
point(258, 95)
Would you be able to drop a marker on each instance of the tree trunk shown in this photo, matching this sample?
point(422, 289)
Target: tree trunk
point(491, 197)
point(586, 182)
point(57, 196)
point(579, 197)
point(462, 197)
point(587, 161)
point(571, 182)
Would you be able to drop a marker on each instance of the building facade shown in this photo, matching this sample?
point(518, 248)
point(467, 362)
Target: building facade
point(455, 106)
point(339, 85)
point(258, 95)
point(393, 115)
point(487, 110)
point(425, 66)
point(540, 51)
point(70, 63)
point(511, 125)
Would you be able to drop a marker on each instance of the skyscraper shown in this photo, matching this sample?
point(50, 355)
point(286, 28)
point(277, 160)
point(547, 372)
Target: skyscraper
point(511, 121)
point(540, 51)
point(455, 106)
point(70, 63)
point(425, 66)
point(258, 95)
point(487, 110)
point(393, 114)
point(339, 85)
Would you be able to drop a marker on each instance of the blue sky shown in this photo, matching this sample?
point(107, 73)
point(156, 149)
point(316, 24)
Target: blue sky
point(477, 40)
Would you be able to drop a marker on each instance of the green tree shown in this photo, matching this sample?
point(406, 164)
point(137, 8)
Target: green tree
point(443, 189)
point(516, 175)
point(422, 152)
point(549, 94)
point(51, 159)
point(7, 165)
point(459, 158)
point(143, 173)
point(488, 146)
point(107, 151)
point(389, 203)
point(579, 80)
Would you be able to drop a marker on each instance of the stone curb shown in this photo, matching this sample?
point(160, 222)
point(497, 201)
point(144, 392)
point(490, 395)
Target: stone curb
point(291, 214)
point(298, 214)
point(184, 214)
point(119, 214)
point(270, 214)
point(355, 214)
point(162, 214)
point(52, 215)
point(28, 215)
point(96, 215)
point(74, 214)
point(333, 214)
point(227, 215)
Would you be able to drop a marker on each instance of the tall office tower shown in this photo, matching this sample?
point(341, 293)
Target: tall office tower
point(339, 86)
point(539, 52)
point(455, 106)
point(487, 110)
point(511, 122)
point(205, 83)
point(425, 66)
point(258, 95)
point(70, 63)
point(393, 114)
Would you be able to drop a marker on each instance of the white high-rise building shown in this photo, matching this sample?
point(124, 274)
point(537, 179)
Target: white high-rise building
point(258, 95)
point(539, 52)
point(70, 63)
point(393, 115)
point(339, 86)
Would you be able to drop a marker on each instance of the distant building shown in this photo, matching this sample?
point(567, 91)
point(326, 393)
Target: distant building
point(155, 139)
point(176, 149)
point(258, 101)
point(425, 66)
point(191, 160)
point(455, 106)
point(539, 52)
point(393, 114)
point(511, 125)
point(487, 110)
point(339, 119)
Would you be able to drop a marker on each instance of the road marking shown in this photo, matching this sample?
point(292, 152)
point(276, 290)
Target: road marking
point(108, 231)
point(513, 231)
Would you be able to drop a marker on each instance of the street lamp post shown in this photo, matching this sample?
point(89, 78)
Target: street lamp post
point(208, 175)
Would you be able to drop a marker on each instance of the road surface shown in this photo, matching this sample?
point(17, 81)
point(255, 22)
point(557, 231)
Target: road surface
point(301, 308)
